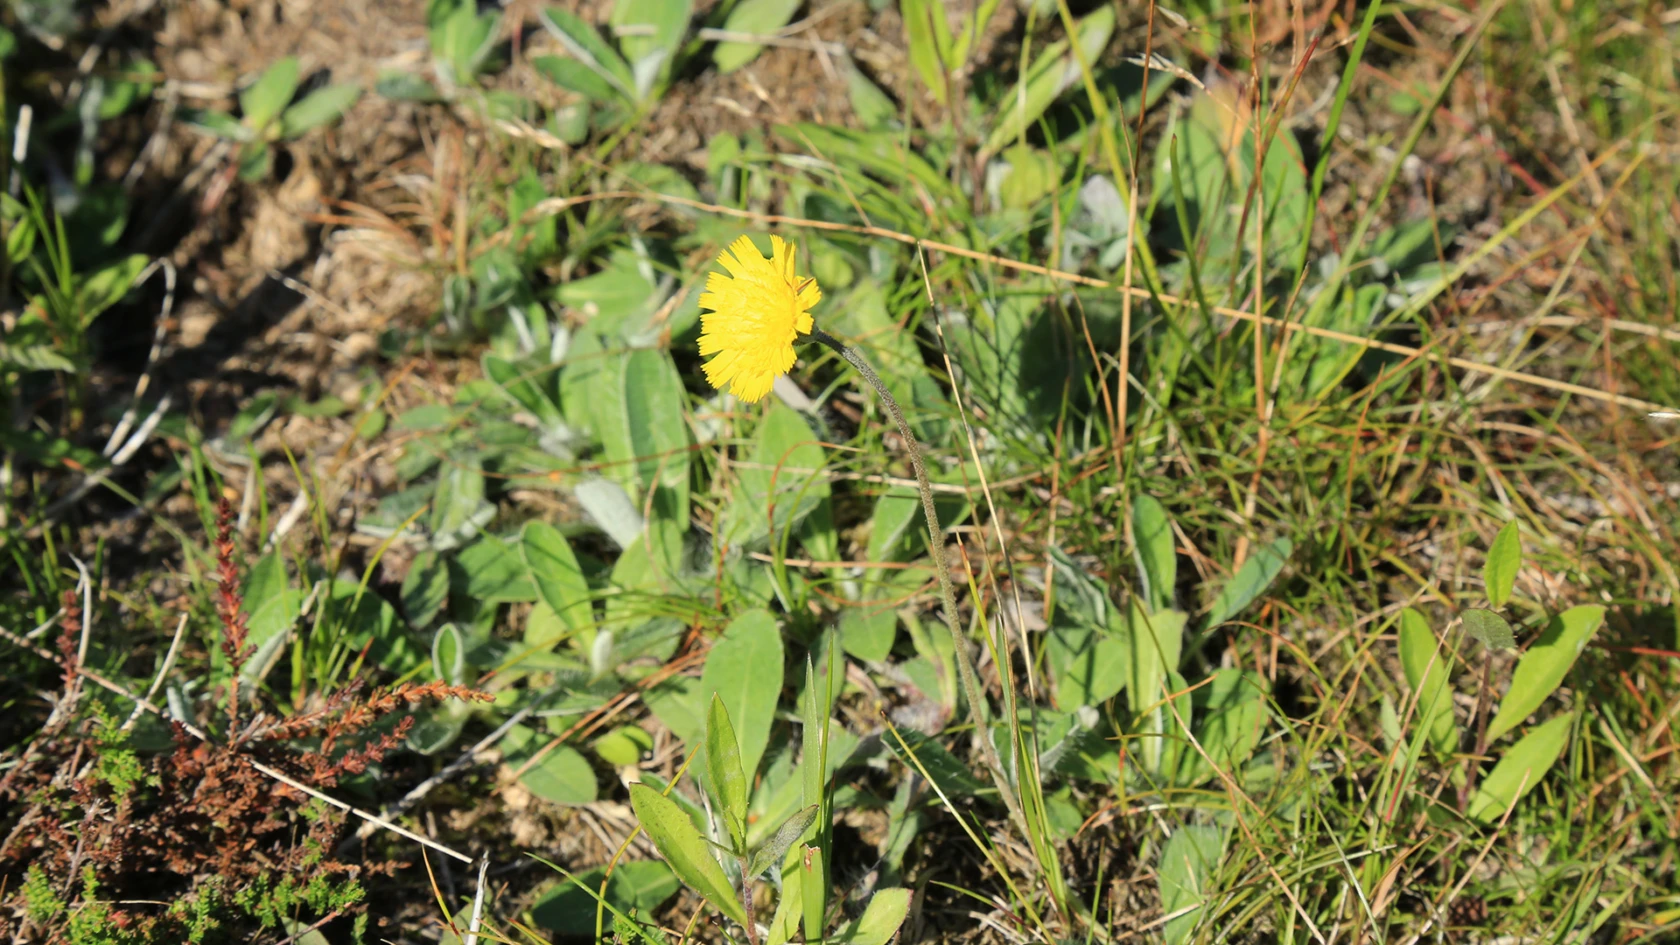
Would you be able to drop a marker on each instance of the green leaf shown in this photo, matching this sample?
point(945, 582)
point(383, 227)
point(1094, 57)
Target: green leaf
point(463, 41)
point(106, 287)
point(425, 589)
point(1543, 668)
point(744, 668)
point(1231, 715)
point(1520, 770)
point(1504, 559)
point(495, 573)
point(586, 45)
point(785, 922)
point(650, 52)
point(785, 836)
point(263, 99)
point(563, 776)
point(880, 920)
point(756, 17)
point(640, 886)
point(402, 86)
point(880, 152)
point(873, 107)
point(219, 124)
point(927, 36)
point(270, 600)
point(34, 357)
point(318, 108)
point(1489, 628)
point(1184, 875)
point(1256, 574)
point(1088, 665)
point(1154, 550)
point(944, 769)
point(1156, 642)
point(459, 509)
point(640, 420)
point(1052, 73)
point(690, 858)
point(783, 482)
point(575, 75)
point(1428, 667)
point(555, 570)
point(868, 630)
point(449, 656)
point(723, 770)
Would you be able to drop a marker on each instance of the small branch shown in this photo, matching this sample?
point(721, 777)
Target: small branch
point(471, 937)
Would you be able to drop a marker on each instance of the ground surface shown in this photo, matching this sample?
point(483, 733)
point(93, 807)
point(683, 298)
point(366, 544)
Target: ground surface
point(394, 378)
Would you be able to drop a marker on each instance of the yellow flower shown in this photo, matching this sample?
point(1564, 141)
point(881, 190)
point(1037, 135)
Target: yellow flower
point(757, 311)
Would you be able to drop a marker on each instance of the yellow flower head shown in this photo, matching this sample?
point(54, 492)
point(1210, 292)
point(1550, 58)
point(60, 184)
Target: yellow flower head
point(757, 311)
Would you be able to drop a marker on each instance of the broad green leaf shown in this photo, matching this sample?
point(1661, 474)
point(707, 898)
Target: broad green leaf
point(459, 509)
point(1542, 669)
point(1490, 629)
point(873, 107)
point(658, 27)
point(867, 631)
point(1428, 667)
point(577, 76)
point(402, 86)
point(1156, 642)
point(270, 600)
point(778, 843)
point(34, 358)
point(1089, 666)
point(425, 589)
point(640, 886)
point(755, 17)
point(1054, 71)
point(639, 409)
point(1154, 550)
point(449, 656)
point(263, 99)
point(927, 36)
point(1230, 718)
point(318, 108)
point(555, 571)
point(211, 122)
point(1256, 574)
point(495, 573)
point(1504, 559)
point(785, 922)
point(744, 668)
point(723, 770)
point(611, 508)
point(520, 385)
point(563, 776)
point(1520, 770)
point(106, 286)
point(896, 514)
point(886, 911)
point(783, 482)
point(690, 858)
point(1184, 875)
point(586, 45)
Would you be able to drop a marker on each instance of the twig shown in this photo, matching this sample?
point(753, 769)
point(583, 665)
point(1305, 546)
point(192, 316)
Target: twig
point(204, 736)
point(478, 903)
point(300, 933)
point(163, 671)
point(455, 767)
point(86, 586)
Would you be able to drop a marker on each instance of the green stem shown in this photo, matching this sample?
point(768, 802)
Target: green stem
point(948, 596)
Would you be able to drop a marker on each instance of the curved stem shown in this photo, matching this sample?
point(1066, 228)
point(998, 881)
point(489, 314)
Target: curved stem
point(948, 597)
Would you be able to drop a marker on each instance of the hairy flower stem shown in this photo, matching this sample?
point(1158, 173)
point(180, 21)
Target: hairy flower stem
point(936, 548)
